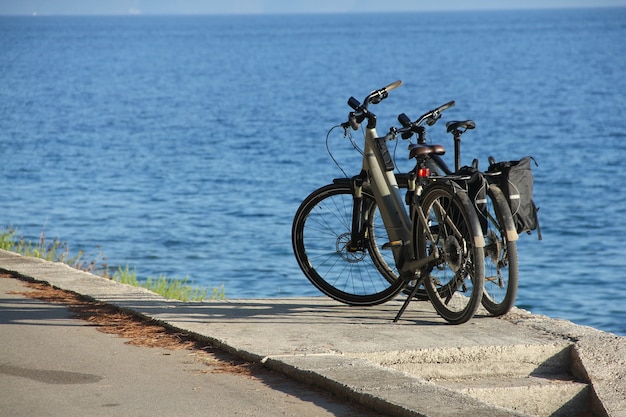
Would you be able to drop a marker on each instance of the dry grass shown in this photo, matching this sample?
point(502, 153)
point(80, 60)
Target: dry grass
point(146, 333)
point(136, 330)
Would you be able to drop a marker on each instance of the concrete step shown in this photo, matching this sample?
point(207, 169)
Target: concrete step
point(555, 396)
point(532, 379)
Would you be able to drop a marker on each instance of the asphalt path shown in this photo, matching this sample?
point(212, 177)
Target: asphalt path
point(54, 364)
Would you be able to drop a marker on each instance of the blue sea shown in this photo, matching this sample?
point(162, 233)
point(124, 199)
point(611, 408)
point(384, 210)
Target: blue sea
point(182, 146)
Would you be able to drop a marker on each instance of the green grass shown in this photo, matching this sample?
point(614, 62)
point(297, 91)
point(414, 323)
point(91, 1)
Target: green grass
point(176, 288)
point(55, 251)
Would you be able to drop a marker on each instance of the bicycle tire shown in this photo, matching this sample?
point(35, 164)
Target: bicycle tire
point(501, 261)
point(455, 283)
point(320, 233)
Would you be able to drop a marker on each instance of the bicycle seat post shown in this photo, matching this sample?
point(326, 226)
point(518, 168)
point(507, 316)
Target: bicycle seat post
point(457, 149)
point(455, 129)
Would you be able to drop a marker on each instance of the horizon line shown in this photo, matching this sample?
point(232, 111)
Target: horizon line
point(138, 13)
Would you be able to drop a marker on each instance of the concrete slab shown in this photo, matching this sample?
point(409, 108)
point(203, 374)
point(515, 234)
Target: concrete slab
point(420, 366)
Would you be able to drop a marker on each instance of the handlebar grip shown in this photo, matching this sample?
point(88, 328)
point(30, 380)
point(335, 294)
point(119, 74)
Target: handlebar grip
point(379, 95)
point(436, 114)
point(393, 85)
point(445, 106)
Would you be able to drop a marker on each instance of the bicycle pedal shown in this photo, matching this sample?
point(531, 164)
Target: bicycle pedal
point(394, 244)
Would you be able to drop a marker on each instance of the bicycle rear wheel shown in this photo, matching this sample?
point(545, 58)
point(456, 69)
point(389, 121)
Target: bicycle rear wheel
point(321, 233)
point(501, 265)
point(454, 282)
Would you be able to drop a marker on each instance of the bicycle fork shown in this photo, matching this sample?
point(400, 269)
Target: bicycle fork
point(357, 238)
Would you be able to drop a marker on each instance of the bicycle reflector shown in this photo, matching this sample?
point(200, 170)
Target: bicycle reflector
point(423, 172)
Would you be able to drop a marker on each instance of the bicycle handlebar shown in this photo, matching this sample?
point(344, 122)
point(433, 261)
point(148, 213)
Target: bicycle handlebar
point(379, 95)
point(430, 117)
point(361, 112)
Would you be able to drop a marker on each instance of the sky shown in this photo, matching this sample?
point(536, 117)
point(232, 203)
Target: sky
point(121, 7)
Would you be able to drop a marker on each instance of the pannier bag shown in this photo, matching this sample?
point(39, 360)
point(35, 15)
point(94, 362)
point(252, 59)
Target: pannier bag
point(515, 179)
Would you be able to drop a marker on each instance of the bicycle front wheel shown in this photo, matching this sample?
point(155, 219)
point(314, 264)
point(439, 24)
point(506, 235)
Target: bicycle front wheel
point(454, 280)
point(321, 234)
point(501, 265)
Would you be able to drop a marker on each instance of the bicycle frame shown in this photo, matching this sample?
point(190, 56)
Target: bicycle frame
point(377, 169)
point(389, 199)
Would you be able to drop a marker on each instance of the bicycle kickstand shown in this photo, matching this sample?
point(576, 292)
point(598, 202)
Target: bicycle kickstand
point(407, 301)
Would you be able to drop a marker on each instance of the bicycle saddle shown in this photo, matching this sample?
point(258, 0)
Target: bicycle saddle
point(416, 150)
point(465, 124)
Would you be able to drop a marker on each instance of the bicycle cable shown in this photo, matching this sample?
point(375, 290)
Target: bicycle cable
point(348, 134)
point(354, 144)
point(330, 152)
point(395, 150)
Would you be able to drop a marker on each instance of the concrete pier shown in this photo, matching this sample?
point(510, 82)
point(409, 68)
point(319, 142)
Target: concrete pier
point(517, 365)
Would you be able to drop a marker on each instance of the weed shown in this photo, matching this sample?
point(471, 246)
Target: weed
point(55, 251)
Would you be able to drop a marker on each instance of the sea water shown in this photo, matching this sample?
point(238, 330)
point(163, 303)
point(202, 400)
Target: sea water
point(183, 145)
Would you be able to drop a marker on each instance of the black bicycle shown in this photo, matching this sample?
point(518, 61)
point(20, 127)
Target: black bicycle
point(499, 231)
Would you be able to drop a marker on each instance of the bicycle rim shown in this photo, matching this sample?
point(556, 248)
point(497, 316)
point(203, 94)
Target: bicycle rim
point(455, 283)
point(320, 235)
point(501, 263)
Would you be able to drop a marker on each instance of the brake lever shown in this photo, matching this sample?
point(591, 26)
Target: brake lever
point(378, 96)
point(432, 119)
point(354, 124)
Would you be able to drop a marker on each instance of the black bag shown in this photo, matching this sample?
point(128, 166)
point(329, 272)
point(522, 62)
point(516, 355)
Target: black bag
point(476, 187)
point(515, 179)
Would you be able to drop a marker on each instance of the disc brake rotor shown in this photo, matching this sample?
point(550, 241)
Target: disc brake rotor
point(341, 247)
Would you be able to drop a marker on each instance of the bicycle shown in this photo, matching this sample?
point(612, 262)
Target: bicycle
point(437, 242)
point(501, 267)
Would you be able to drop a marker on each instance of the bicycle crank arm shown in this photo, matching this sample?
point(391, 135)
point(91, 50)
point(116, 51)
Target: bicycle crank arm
point(418, 264)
